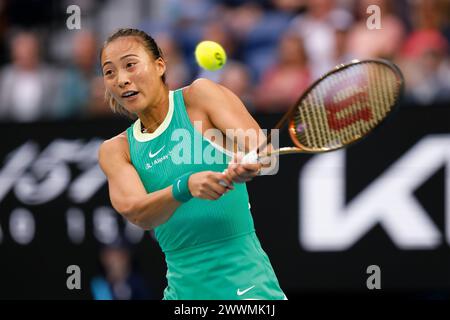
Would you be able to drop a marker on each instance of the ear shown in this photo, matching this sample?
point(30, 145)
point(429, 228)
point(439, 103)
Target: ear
point(160, 66)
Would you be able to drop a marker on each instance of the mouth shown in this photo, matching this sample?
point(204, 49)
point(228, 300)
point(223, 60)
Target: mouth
point(129, 94)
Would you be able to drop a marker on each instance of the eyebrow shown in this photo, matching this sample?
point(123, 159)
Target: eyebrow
point(125, 56)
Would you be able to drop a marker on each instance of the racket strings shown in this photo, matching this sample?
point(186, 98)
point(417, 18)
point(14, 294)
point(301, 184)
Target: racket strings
point(345, 106)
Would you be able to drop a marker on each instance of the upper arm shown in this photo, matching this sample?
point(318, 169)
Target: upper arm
point(225, 110)
point(124, 183)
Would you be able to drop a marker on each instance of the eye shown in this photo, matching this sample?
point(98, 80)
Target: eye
point(108, 72)
point(130, 64)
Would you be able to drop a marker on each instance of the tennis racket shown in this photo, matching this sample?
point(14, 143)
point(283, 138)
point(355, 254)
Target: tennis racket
point(340, 108)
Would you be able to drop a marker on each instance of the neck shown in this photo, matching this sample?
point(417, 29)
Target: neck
point(152, 117)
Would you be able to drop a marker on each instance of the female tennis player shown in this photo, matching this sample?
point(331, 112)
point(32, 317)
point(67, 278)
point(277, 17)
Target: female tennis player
point(204, 226)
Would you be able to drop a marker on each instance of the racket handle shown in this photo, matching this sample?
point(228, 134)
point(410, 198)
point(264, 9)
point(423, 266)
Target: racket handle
point(251, 157)
point(221, 182)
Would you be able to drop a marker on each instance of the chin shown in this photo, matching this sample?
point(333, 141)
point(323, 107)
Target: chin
point(134, 108)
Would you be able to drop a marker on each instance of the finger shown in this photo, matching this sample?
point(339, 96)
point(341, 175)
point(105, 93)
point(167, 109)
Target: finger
point(226, 185)
point(236, 176)
point(213, 188)
point(213, 193)
point(218, 189)
point(233, 177)
point(231, 172)
point(251, 167)
point(209, 194)
point(219, 183)
point(223, 179)
point(244, 173)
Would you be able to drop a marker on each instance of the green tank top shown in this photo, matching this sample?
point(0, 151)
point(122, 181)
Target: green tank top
point(174, 148)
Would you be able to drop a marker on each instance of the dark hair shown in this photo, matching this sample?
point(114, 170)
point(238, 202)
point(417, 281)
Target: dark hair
point(152, 47)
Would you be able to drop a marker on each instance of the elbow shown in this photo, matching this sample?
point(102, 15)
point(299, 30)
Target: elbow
point(132, 213)
point(125, 208)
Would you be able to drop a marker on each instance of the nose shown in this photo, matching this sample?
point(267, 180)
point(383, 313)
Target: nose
point(123, 80)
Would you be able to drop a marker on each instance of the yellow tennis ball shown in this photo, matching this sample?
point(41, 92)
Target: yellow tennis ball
point(210, 55)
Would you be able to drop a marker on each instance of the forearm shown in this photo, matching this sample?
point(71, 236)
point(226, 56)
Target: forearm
point(153, 209)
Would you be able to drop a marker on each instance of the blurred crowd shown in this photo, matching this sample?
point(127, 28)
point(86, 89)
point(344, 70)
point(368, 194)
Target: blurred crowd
point(275, 48)
point(119, 277)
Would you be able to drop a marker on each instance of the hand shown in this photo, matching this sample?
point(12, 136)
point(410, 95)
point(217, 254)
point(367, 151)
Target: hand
point(242, 172)
point(208, 185)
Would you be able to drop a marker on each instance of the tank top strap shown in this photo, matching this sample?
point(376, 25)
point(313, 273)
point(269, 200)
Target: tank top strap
point(182, 117)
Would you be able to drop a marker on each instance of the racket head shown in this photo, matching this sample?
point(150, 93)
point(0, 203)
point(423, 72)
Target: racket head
point(345, 105)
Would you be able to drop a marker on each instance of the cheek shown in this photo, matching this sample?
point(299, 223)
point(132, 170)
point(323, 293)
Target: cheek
point(144, 76)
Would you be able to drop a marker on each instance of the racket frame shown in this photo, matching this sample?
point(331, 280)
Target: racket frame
point(299, 148)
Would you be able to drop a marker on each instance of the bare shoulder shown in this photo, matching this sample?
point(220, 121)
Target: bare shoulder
point(204, 93)
point(202, 85)
point(113, 149)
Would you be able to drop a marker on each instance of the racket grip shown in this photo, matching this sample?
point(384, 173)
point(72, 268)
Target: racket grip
point(251, 157)
point(221, 182)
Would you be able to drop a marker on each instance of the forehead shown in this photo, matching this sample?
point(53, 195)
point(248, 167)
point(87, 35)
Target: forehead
point(122, 46)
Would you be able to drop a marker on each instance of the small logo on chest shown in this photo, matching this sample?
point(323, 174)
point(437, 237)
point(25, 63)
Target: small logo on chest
point(154, 161)
point(152, 155)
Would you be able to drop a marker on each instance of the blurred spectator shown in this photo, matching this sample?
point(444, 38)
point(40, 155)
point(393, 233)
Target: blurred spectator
point(283, 83)
point(366, 43)
point(340, 52)
point(317, 27)
point(445, 11)
point(97, 105)
point(430, 14)
point(3, 27)
point(250, 32)
point(236, 77)
point(75, 95)
point(27, 86)
point(219, 32)
point(242, 19)
point(288, 5)
point(215, 31)
point(177, 74)
point(116, 14)
point(424, 57)
point(119, 280)
point(258, 32)
point(184, 13)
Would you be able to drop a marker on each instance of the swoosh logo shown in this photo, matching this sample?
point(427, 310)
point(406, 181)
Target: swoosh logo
point(152, 155)
point(240, 293)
